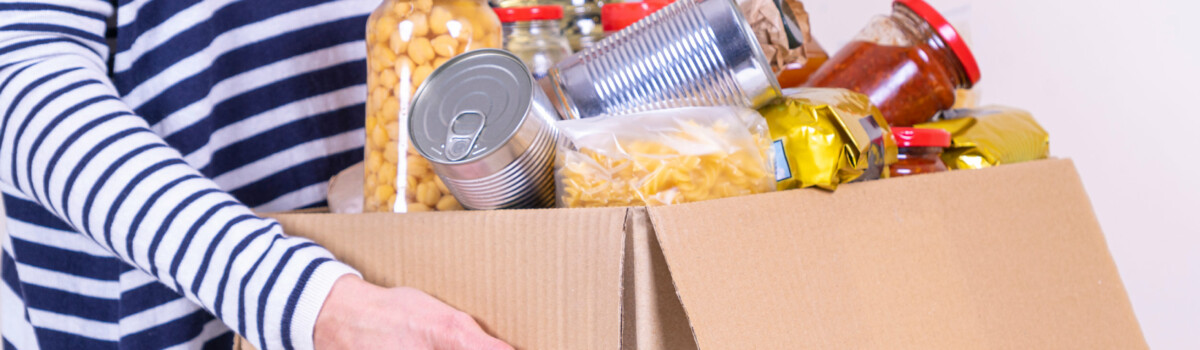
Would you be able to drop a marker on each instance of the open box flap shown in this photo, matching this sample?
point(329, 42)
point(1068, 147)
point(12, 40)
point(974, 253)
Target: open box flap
point(1007, 257)
point(539, 279)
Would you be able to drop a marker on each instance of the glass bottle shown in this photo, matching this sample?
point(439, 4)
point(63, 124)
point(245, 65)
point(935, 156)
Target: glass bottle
point(532, 33)
point(920, 151)
point(406, 40)
point(581, 22)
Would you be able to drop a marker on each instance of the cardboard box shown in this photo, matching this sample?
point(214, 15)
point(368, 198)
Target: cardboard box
point(1008, 257)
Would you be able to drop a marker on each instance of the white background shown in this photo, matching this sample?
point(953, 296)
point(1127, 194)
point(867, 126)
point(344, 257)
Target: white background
point(1114, 82)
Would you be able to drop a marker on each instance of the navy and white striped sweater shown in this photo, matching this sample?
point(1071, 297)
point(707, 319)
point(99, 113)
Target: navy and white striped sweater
point(129, 179)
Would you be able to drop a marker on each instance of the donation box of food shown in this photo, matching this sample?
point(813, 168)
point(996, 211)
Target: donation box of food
point(1004, 257)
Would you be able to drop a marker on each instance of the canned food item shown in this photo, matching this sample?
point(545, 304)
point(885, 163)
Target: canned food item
point(692, 53)
point(488, 131)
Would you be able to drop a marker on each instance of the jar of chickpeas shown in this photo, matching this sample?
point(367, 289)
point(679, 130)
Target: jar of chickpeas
point(406, 40)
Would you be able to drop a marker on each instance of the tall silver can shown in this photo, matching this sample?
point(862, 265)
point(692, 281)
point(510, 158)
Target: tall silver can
point(488, 131)
point(690, 53)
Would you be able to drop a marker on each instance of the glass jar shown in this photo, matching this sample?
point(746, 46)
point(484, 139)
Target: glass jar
point(909, 63)
point(617, 16)
point(920, 151)
point(796, 74)
point(581, 22)
point(406, 40)
point(532, 33)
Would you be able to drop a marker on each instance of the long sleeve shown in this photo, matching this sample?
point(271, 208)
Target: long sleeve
point(68, 142)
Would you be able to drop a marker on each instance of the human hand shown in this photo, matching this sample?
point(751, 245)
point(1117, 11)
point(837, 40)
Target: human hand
point(360, 315)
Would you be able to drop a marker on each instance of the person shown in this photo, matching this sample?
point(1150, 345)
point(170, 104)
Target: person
point(140, 137)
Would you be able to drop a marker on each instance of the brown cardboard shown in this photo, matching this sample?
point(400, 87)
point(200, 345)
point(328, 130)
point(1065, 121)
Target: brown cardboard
point(1008, 257)
point(538, 279)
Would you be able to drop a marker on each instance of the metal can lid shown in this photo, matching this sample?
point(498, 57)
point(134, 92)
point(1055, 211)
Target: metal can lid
point(470, 106)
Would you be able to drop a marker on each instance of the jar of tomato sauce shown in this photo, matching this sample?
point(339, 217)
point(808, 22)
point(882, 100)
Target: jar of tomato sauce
point(909, 63)
point(920, 151)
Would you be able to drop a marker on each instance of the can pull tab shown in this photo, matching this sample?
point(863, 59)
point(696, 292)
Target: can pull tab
point(462, 134)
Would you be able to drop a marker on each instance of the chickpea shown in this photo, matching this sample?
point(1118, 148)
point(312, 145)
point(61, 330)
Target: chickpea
point(384, 55)
point(387, 175)
point(416, 166)
point(390, 111)
point(388, 79)
point(384, 27)
point(438, 18)
point(420, 74)
point(374, 161)
point(377, 98)
point(424, 5)
point(427, 194)
point(448, 203)
point(440, 61)
point(420, 50)
point(397, 43)
point(418, 208)
point(379, 137)
point(444, 45)
point(382, 192)
point(371, 121)
point(413, 181)
point(402, 8)
point(420, 24)
point(390, 153)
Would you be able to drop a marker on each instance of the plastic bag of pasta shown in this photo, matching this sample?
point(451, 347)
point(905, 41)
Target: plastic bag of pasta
point(663, 157)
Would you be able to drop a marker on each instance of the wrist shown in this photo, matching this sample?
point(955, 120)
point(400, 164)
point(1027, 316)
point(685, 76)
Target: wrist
point(338, 311)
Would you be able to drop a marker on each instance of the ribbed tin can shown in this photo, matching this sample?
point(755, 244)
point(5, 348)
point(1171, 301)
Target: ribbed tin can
point(488, 131)
point(690, 53)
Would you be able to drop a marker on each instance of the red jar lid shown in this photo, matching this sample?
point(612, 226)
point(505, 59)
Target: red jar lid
point(617, 16)
point(529, 13)
point(947, 33)
point(920, 137)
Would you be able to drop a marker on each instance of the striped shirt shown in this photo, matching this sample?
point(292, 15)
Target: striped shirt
point(137, 138)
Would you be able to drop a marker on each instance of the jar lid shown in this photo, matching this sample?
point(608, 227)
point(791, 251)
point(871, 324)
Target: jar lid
point(529, 13)
point(470, 106)
point(947, 33)
point(617, 16)
point(920, 137)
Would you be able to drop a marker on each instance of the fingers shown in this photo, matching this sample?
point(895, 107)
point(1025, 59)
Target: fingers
point(467, 335)
point(479, 340)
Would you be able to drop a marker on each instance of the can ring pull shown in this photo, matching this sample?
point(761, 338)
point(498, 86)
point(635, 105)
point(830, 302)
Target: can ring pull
point(462, 134)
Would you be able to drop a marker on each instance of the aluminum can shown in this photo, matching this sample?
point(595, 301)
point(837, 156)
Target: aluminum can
point(488, 131)
point(691, 53)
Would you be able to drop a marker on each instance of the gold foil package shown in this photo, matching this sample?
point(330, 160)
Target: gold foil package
point(825, 137)
point(991, 136)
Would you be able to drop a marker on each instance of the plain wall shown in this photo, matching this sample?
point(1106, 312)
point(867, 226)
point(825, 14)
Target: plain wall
point(1112, 81)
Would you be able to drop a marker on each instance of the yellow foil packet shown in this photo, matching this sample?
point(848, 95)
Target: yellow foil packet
point(990, 136)
point(825, 137)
